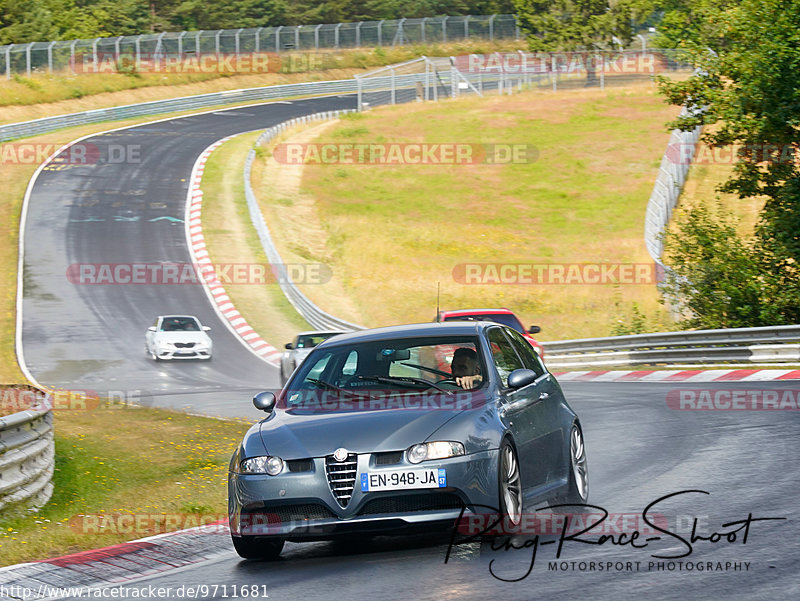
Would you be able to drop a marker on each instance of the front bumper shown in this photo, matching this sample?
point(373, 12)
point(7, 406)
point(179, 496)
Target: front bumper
point(169, 354)
point(300, 505)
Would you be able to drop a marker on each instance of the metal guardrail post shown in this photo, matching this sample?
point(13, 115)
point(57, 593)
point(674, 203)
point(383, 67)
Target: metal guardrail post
point(380, 32)
point(601, 64)
point(444, 29)
point(393, 88)
point(94, 52)
point(466, 27)
point(197, 42)
point(139, 51)
point(297, 37)
point(258, 39)
point(216, 41)
point(8, 60)
point(554, 71)
point(159, 44)
point(316, 37)
point(278, 39)
point(422, 29)
point(72, 56)
point(491, 28)
point(50, 57)
point(28, 59)
point(236, 40)
point(336, 35)
point(358, 34)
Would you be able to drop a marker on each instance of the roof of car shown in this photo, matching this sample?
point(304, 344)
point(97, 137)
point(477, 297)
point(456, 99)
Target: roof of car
point(477, 312)
point(453, 328)
point(175, 316)
point(319, 332)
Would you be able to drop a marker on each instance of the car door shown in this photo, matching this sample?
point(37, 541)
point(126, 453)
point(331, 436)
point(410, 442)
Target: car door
point(521, 407)
point(549, 447)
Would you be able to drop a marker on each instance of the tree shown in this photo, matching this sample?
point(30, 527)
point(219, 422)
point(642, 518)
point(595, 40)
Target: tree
point(714, 275)
point(576, 25)
point(749, 85)
point(566, 25)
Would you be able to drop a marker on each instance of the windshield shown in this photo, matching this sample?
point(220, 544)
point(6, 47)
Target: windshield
point(312, 340)
point(180, 324)
point(390, 367)
point(504, 318)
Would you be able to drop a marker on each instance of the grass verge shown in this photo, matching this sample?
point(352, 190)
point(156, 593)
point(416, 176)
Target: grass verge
point(166, 469)
point(230, 238)
point(393, 232)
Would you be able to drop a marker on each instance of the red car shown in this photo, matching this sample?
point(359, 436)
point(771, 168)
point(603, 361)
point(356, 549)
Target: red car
point(504, 316)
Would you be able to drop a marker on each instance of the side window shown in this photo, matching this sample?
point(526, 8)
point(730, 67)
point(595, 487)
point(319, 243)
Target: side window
point(351, 364)
point(503, 354)
point(529, 357)
point(318, 367)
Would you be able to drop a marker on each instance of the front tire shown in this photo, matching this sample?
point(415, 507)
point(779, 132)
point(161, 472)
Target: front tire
point(578, 489)
point(510, 486)
point(251, 547)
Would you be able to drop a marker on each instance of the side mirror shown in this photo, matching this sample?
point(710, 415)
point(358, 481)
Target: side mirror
point(151, 329)
point(264, 401)
point(534, 330)
point(288, 346)
point(519, 378)
point(206, 329)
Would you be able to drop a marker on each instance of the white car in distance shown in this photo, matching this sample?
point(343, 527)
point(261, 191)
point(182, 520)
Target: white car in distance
point(178, 337)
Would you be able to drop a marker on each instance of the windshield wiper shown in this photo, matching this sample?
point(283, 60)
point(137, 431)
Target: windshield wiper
point(329, 386)
point(405, 380)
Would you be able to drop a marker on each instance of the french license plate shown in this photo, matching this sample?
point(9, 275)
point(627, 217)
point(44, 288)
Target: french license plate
point(403, 479)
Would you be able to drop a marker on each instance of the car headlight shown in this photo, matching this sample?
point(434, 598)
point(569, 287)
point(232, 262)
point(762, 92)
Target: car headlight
point(428, 451)
point(262, 465)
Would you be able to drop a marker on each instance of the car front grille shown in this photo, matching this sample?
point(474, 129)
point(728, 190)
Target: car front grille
point(341, 477)
point(412, 503)
point(284, 514)
point(184, 344)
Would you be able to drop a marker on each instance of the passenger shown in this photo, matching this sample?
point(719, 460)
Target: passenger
point(464, 368)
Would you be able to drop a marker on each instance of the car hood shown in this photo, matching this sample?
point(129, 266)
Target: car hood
point(182, 337)
point(293, 435)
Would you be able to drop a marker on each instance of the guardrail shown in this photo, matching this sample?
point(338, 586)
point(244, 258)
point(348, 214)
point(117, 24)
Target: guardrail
point(764, 345)
point(315, 316)
point(26, 450)
point(280, 92)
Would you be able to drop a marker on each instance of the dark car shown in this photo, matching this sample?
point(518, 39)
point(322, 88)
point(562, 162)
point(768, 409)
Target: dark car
point(371, 436)
point(504, 316)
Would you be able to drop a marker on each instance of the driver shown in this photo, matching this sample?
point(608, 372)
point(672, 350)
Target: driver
point(464, 368)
